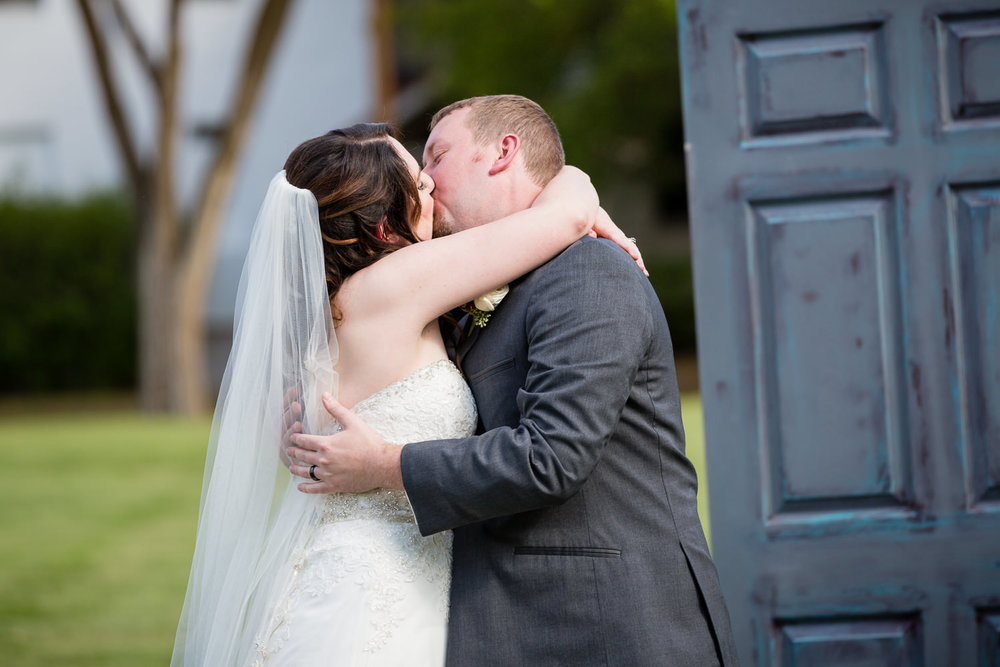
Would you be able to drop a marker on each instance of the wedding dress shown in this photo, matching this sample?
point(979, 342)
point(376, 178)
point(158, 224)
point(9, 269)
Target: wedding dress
point(367, 588)
point(281, 577)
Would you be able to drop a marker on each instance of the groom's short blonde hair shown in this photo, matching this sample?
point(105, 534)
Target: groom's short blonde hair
point(492, 116)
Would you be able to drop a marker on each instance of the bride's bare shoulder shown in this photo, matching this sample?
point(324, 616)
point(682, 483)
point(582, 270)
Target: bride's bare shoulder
point(377, 290)
point(364, 290)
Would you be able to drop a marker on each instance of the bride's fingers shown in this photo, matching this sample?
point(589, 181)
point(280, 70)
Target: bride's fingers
point(606, 227)
point(630, 246)
point(638, 258)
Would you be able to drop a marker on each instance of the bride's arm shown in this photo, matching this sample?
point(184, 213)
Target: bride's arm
point(418, 283)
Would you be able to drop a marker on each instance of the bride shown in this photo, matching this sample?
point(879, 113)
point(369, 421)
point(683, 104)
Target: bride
point(337, 295)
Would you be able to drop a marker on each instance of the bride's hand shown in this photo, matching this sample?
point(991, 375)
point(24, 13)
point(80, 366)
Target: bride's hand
point(573, 187)
point(570, 188)
point(605, 227)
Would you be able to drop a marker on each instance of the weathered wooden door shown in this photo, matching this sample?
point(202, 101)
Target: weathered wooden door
point(844, 166)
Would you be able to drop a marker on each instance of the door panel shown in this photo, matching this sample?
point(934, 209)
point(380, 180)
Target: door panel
point(844, 185)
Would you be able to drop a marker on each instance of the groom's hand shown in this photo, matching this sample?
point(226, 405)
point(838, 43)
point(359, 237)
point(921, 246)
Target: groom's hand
point(291, 414)
point(354, 460)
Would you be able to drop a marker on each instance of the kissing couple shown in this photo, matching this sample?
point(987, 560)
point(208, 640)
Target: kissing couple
point(534, 507)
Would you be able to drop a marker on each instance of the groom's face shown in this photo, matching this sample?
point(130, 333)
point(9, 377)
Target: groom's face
point(460, 169)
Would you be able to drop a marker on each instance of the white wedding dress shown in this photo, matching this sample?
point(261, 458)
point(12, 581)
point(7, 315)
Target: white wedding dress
point(367, 588)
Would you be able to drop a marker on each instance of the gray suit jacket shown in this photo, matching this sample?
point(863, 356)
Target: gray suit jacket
point(577, 539)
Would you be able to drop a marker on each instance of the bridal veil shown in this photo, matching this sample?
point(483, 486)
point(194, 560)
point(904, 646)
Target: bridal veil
point(252, 516)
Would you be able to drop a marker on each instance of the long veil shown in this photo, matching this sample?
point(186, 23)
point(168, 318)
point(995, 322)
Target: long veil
point(252, 516)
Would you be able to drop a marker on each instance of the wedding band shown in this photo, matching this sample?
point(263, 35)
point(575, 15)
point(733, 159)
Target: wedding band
point(312, 473)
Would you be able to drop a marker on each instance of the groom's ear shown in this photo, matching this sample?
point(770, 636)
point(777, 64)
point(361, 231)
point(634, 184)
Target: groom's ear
point(507, 149)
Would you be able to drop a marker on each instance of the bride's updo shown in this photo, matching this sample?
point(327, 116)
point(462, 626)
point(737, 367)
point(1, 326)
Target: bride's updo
point(368, 200)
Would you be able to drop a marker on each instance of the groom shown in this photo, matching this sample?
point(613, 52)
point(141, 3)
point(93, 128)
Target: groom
point(576, 534)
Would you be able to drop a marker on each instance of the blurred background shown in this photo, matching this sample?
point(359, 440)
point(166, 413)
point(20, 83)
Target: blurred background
point(137, 139)
point(142, 150)
point(845, 193)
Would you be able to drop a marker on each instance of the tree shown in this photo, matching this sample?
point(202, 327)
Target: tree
point(607, 72)
point(176, 249)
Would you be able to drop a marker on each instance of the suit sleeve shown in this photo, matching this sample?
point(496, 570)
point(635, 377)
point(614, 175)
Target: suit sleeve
point(588, 327)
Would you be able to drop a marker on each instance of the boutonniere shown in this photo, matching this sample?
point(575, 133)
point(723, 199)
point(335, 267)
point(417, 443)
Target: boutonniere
point(482, 307)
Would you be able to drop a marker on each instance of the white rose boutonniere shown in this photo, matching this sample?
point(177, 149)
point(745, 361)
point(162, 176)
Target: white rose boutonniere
point(482, 307)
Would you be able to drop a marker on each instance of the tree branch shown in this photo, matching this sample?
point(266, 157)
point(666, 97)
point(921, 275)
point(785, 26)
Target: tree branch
point(165, 225)
point(196, 263)
point(384, 47)
point(112, 101)
point(153, 69)
point(208, 216)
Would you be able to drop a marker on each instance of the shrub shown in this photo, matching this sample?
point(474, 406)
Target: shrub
point(67, 294)
point(672, 279)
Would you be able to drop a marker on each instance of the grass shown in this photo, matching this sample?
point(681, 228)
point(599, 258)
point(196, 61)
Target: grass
point(98, 514)
point(694, 436)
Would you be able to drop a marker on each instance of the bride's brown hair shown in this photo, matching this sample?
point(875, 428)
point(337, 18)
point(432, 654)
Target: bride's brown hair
point(368, 200)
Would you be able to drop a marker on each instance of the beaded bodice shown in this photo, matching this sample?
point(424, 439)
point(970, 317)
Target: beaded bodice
point(366, 559)
point(429, 404)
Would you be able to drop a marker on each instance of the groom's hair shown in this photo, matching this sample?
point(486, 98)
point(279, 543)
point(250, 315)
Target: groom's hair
point(492, 116)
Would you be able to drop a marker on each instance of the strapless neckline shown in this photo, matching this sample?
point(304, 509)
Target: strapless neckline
point(431, 403)
point(420, 372)
point(365, 587)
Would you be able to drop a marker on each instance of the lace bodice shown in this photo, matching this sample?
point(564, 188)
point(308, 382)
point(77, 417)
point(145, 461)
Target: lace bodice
point(367, 588)
point(430, 404)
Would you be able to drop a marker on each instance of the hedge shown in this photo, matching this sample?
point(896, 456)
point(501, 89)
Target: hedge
point(672, 279)
point(67, 294)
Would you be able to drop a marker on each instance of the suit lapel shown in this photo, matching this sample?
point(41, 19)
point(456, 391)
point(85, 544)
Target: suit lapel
point(466, 342)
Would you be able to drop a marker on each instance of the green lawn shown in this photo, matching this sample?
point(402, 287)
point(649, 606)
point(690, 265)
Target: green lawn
point(694, 435)
point(98, 514)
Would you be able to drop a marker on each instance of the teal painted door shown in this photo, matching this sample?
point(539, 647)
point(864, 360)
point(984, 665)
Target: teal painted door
point(844, 185)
